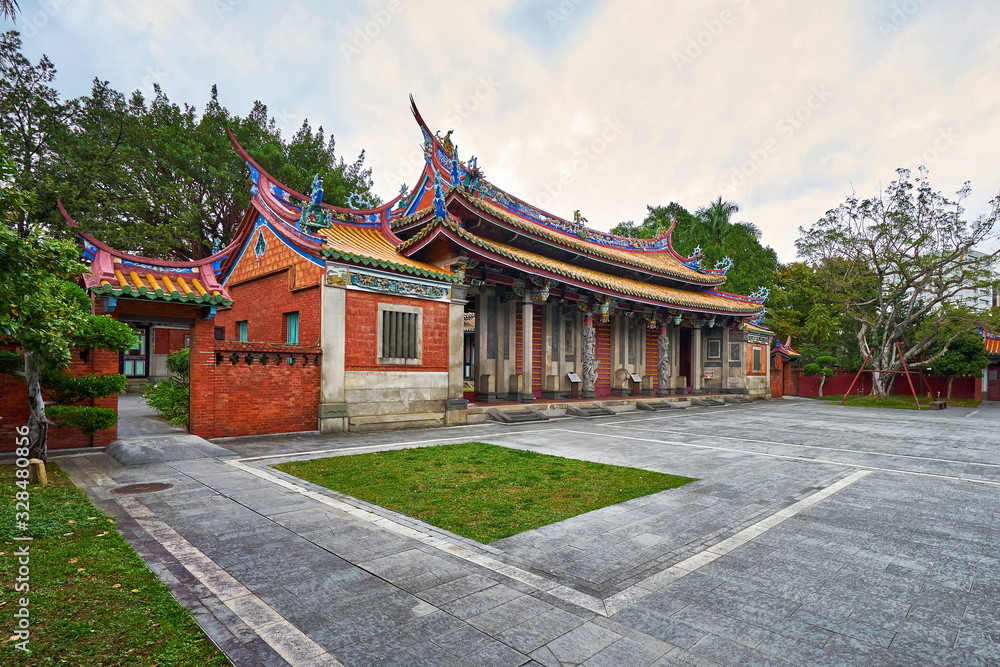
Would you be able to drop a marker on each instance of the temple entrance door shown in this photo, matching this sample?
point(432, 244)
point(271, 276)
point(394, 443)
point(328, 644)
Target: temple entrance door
point(684, 355)
point(993, 383)
point(536, 352)
point(134, 363)
point(653, 358)
point(602, 331)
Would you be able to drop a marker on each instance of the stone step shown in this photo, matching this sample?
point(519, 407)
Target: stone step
point(589, 410)
point(708, 402)
point(659, 406)
point(736, 398)
point(522, 416)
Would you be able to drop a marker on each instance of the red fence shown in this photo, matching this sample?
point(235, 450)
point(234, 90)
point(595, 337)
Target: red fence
point(962, 387)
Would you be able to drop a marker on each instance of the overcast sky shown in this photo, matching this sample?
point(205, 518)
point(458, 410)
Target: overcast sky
point(604, 106)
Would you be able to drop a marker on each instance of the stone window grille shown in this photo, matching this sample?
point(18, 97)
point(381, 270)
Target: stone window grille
point(399, 339)
point(714, 348)
point(734, 351)
point(757, 365)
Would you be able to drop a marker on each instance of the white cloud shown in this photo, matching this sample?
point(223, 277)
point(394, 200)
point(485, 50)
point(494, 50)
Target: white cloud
point(703, 94)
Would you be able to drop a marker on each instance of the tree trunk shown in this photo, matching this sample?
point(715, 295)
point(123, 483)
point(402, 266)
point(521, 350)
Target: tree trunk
point(38, 427)
point(822, 381)
point(951, 378)
point(880, 381)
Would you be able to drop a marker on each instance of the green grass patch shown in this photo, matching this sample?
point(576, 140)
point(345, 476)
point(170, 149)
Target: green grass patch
point(894, 402)
point(481, 491)
point(92, 599)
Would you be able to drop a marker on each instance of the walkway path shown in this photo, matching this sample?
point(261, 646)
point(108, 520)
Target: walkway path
point(816, 535)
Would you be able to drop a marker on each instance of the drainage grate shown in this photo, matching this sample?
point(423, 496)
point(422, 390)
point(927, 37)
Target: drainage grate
point(145, 487)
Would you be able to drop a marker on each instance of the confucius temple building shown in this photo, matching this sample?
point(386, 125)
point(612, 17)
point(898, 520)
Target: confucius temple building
point(319, 316)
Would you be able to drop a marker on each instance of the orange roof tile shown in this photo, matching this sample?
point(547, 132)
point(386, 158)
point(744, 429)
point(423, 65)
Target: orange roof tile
point(366, 245)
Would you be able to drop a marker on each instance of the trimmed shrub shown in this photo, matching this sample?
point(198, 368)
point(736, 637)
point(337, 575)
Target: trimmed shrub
point(87, 419)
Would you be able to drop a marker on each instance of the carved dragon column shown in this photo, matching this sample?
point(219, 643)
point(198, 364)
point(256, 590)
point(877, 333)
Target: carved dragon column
point(663, 362)
point(590, 361)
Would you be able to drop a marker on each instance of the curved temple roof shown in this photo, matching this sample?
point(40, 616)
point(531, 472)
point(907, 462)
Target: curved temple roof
point(115, 273)
point(655, 255)
point(625, 288)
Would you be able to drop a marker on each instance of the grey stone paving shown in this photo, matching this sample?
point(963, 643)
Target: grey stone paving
point(900, 567)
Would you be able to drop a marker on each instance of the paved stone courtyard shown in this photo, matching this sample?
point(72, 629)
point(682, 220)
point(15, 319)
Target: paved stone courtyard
point(817, 535)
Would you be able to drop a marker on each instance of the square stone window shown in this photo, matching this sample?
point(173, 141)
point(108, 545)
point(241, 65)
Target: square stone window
point(400, 333)
point(714, 348)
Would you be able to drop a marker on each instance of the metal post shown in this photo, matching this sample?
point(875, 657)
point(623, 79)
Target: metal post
point(855, 380)
point(907, 372)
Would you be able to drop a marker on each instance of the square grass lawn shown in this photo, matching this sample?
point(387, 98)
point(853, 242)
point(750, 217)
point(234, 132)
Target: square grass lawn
point(480, 491)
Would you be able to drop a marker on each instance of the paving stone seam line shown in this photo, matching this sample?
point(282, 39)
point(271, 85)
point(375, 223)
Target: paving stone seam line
point(829, 449)
point(565, 593)
point(589, 602)
point(411, 443)
point(656, 582)
point(955, 478)
point(273, 628)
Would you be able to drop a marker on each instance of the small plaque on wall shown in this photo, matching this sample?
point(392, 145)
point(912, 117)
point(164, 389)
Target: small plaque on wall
point(573, 377)
point(710, 375)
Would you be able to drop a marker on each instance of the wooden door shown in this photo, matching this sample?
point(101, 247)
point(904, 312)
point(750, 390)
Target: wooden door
point(603, 352)
point(134, 363)
point(684, 354)
point(653, 357)
point(993, 383)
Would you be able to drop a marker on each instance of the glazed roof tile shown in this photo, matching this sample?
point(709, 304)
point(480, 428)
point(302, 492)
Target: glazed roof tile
point(367, 245)
point(668, 296)
point(991, 341)
point(659, 261)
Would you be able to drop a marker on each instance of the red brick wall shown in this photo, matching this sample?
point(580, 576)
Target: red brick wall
point(14, 405)
point(778, 373)
point(168, 340)
point(230, 399)
point(263, 301)
point(362, 335)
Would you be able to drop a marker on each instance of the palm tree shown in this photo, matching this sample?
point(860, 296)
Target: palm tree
point(714, 221)
point(9, 9)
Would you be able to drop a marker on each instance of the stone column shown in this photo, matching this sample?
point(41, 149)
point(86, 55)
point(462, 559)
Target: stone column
point(333, 416)
point(588, 344)
point(455, 407)
point(485, 373)
point(527, 315)
point(663, 362)
point(697, 363)
point(725, 360)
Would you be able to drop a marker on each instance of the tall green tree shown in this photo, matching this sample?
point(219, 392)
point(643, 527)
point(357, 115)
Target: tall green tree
point(891, 263)
point(33, 119)
point(148, 175)
point(964, 356)
point(44, 311)
point(753, 263)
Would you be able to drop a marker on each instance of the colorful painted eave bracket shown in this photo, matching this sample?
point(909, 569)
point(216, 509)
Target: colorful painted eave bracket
point(333, 253)
point(620, 287)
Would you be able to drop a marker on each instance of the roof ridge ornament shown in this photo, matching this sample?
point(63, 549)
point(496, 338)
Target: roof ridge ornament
point(439, 210)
